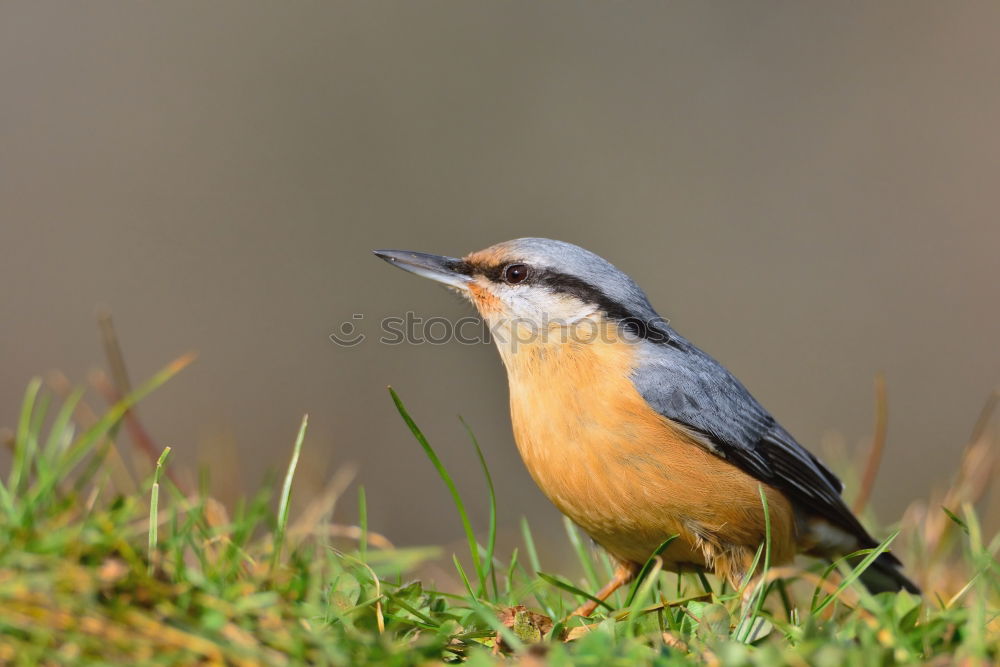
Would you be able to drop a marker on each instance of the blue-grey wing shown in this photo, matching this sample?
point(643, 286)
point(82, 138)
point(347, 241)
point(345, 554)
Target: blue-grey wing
point(688, 386)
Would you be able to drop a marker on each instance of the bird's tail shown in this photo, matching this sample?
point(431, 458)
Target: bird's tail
point(886, 574)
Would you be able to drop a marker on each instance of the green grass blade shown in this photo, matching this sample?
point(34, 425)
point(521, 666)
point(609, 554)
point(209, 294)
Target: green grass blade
point(511, 569)
point(286, 494)
point(972, 528)
point(753, 568)
point(827, 571)
point(23, 451)
point(464, 578)
point(745, 628)
point(570, 588)
point(363, 524)
point(956, 519)
point(491, 539)
point(398, 600)
point(586, 562)
point(978, 615)
point(646, 567)
point(57, 433)
point(705, 583)
point(154, 509)
point(6, 502)
point(456, 498)
point(34, 458)
point(529, 546)
point(856, 572)
point(642, 594)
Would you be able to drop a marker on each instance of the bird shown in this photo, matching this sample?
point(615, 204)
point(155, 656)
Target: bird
point(636, 434)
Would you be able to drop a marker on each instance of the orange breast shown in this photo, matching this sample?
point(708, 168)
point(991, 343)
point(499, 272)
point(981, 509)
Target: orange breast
point(628, 476)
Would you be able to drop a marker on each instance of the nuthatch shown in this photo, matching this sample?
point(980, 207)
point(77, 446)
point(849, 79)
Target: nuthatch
point(636, 434)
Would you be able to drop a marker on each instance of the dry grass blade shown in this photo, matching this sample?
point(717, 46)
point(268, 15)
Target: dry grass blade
point(878, 445)
point(350, 532)
point(324, 504)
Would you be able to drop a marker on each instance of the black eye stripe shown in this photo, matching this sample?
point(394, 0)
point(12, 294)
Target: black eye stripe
point(493, 272)
point(584, 291)
point(463, 267)
point(565, 283)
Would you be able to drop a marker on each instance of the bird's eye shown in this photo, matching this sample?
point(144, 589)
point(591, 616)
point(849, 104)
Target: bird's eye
point(515, 273)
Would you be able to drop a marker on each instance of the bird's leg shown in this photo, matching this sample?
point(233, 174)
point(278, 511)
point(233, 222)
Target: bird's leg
point(623, 574)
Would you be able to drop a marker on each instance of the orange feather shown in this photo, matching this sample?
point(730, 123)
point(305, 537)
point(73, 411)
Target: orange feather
point(627, 475)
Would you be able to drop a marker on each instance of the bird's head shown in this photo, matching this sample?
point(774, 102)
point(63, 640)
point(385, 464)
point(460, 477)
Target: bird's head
point(534, 287)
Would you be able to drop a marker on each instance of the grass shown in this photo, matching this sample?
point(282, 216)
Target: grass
point(97, 567)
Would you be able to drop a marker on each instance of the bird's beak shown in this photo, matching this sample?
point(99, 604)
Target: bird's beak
point(439, 268)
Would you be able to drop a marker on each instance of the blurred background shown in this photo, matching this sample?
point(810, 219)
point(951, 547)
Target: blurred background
point(808, 191)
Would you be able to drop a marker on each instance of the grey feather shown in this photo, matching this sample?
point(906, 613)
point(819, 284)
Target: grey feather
point(688, 386)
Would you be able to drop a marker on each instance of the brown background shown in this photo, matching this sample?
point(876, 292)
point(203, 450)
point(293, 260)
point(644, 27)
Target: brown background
point(808, 190)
